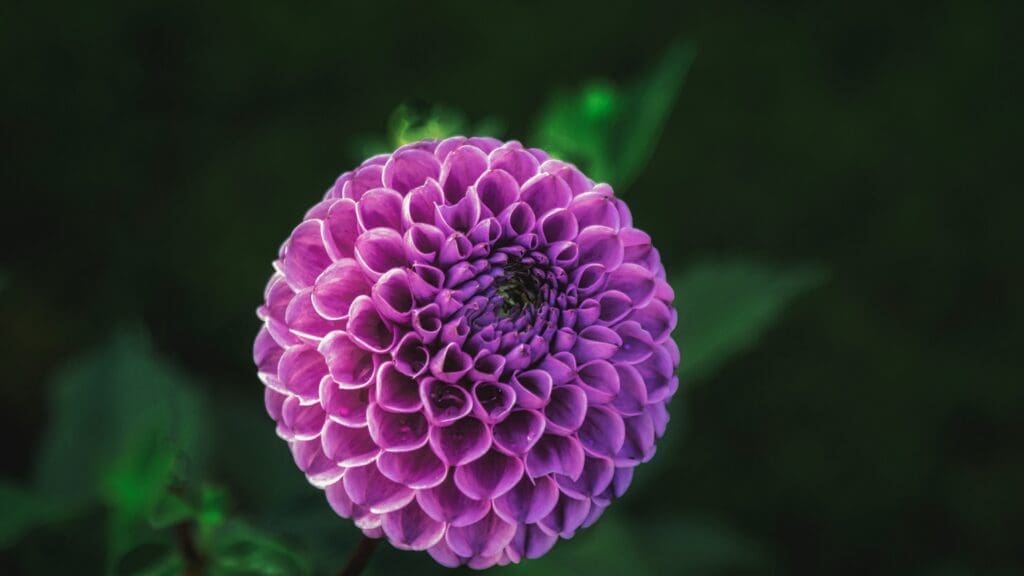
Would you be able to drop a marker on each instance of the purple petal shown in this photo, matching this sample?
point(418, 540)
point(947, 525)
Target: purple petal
point(566, 410)
point(304, 321)
point(367, 329)
point(423, 242)
point(341, 228)
point(637, 245)
point(656, 318)
point(304, 422)
point(344, 405)
point(350, 365)
point(366, 486)
point(492, 401)
point(555, 455)
point(460, 216)
point(267, 353)
point(487, 367)
point(337, 287)
point(417, 469)
point(348, 446)
point(594, 209)
point(380, 208)
point(397, 432)
point(425, 282)
point(395, 391)
point(517, 433)
point(518, 162)
point(489, 476)
point(596, 477)
point(450, 364)
point(637, 344)
point(601, 245)
point(657, 372)
point(444, 402)
point(363, 179)
point(528, 501)
point(632, 394)
point(485, 537)
point(545, 192)
point(639, 441)
point(462, 442)
point(444, 556)
point(571, 175)
point(567, 516)
point(659, 416)
point(305, 256)
point(599, 380)
point(409, 168)
point(461, 169)
point(411, 356)
point(273, 401)
point(379, 250)
point(634, 281)
point(531, 542)
point(596, 343)
point(614, 306)
point(558, 225)
point(392, 296)
point(497, 189)
point(533, 388)
point(447, 503)
point(602, 432)
point(411, 529)
point(517, 219)
point(300, 371)
point(418, 204)
point(426, 321)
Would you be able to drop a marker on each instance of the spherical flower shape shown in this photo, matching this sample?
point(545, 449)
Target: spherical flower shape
point(467, 345)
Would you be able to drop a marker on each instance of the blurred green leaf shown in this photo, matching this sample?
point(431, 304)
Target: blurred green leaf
point(411, 123)
point(725, 306)
point(612, 132)
point(22, 511)
point(237, 548)
point(699, 547)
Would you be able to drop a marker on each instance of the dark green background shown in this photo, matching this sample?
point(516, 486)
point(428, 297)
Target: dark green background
point(157, 154)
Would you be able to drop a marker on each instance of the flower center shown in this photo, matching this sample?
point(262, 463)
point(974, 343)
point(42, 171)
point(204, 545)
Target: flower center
point(519, 287)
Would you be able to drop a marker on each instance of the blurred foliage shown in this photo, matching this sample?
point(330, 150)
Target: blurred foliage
point(611, 132)
point(411, 122)
point(725, 305)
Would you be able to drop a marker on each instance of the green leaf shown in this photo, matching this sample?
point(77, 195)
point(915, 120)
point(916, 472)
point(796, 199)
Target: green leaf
point(237, 548)
point(612, 132)
point(408, 124)
point(724, 306)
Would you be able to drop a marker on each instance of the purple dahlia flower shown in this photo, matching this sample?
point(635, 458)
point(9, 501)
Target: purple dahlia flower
point(467, 345)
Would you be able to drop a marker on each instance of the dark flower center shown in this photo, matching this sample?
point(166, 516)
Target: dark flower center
point(519, 288)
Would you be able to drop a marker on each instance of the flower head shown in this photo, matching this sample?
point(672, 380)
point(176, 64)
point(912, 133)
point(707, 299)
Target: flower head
point(467, 345)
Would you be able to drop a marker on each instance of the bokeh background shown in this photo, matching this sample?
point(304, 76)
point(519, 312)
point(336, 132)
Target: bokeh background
point(835, 185)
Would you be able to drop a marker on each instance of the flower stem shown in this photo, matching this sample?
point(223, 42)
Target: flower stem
point(360, 557)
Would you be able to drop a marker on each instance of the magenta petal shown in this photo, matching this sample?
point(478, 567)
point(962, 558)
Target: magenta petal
point(558, 225)
point(497, 190)
point(461, 216)
point(450, 363)
point(657, 372)
point(411, 355)
point(396, 392)
point(409, 168)
point(637, 344)
point(461, 169)
point(410, 528)
point(366, 486)
point(515, 161)
point(462, 442)
point(380, 208)
point(304, 321)
point(492, 401)
point(367, 329)
point(546, 192)
point(486, 537)
point(392, 296)
point(341, 228)
point(301, 369)
point(528, 501)
point(426, 321)
point(348, 446)
point(659, 417)
point(656, 318)
point(531, 542)
point(596, 343)
point(397, 431)
point(444, 402)
point(304, 422)
point(447, 503)
point(489, 476)
point(305, 255)
point(337, 287)
point(566, 410)
point(365, 178)
point(614, 306)
point(344, 405)
point(379, 250)
point(487, 367)
point(567, 516)
point(517, 433)
point(533, 388)
point(350, 365)
point(599, 380)
point(589, 278)
point(423, 242)
point(417, 469)
point(517, 220)
point(601, 245)
point(267, 353)
point(443, 555)
point(596, 477)
point(418, 204)
point(555, 455)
